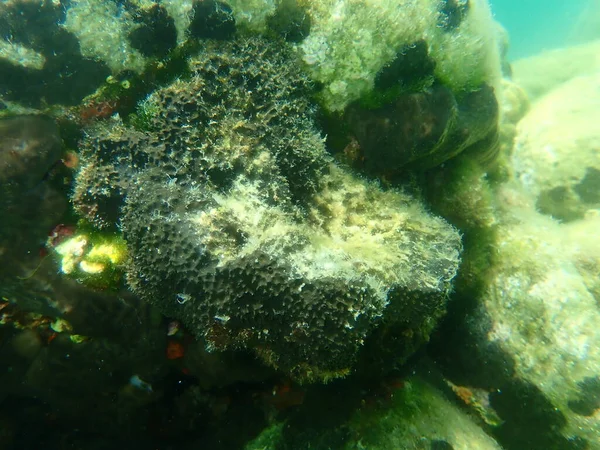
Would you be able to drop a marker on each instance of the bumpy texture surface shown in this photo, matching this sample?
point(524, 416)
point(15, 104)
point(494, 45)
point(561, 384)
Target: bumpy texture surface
point(350, 42)
point(415, 83)
point(238, 223)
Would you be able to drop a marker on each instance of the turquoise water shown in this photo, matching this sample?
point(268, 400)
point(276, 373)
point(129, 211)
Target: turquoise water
point(536, 25)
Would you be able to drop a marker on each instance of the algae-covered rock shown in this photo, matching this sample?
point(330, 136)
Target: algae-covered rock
point(526, 309)
point(556, 154)
point(525, 323)
point(102, 29)
point(351, 42)
point(543, 305)
point(358, 50)
point(415, 416)
point(515, 102)
point(237, 222)
point(424, 129)
point(525, 327)
point(422, 76)
point(513, 107)
point(409, 85)
point(71, 374)
point(42, 63)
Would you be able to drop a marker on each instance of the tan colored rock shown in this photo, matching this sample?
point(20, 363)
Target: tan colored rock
point(557, 149)
point(543, 301)
point(541, 73)
point(514, 102)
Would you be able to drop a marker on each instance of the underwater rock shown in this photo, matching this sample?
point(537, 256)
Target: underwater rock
point(503, 40)
point(402, 414)
point(29, 147)
point(350, 42)
point(413, 84)
point(515, 103)
point(514, 106)
point(526, 325)
point(523, 321)
point(238, 224)
point(212, 20)
point(290, 21)
point(422, 130)
point(60, 52)
point(34, 202)
point(556, 154)
point(41, 62)
point(118, 376)
point(75, 374)
point(453, 12)
point(543, 305)
point(102, 29)
point(541, 73)
point(344, 45)
point(156, 34)
point(411, 69)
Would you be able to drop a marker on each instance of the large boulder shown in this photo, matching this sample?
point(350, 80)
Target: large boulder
point(238, 223)
point(541, 73)
point(556, 156)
